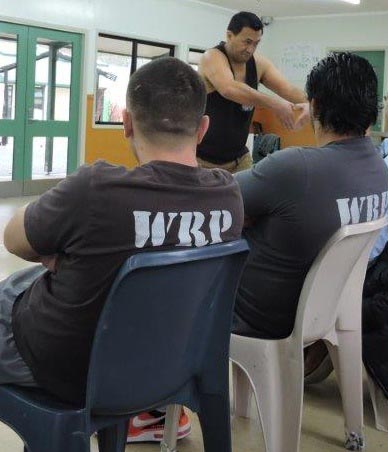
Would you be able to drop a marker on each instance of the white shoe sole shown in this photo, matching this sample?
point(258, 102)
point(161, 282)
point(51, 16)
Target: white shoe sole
point(157, 435)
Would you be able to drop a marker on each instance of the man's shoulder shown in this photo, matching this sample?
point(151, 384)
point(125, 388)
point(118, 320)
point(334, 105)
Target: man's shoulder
point(217, 175)
point(286, 157)
point(298, 154)
point(173, 172)
point(214, 55)
point(220, 47)
point(103, 171)
point(284, 168)
point(101, 166)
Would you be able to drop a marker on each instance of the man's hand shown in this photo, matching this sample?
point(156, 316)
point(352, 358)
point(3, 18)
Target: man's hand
point(304, 117)
point(284, 111)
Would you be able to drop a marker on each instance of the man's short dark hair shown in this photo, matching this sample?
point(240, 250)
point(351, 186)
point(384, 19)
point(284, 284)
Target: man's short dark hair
point(344, 88)
point(245, 19)
point(166, 96)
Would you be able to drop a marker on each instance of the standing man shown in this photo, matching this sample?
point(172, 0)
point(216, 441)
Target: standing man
point(231, 72)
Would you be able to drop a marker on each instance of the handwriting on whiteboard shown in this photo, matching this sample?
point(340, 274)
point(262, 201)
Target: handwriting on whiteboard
point(298, 59)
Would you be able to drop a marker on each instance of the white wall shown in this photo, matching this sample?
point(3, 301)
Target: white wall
point(357, 32)
point(193, 24)
point(174, 21)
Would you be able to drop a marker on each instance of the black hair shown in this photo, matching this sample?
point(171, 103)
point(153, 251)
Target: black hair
point(344, 88)
point(245, 19)
point(166, 96)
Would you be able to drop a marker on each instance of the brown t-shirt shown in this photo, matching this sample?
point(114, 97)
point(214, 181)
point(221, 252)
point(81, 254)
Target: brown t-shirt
point(94, 220)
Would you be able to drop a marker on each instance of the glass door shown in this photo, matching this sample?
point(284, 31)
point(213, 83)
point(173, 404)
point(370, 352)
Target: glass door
point(45, 151)
point(13, 68)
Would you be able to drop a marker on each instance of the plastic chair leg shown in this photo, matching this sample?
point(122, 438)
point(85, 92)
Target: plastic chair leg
point(113, 438)
point(171, 428)
point(380, 405)
point(280, 404)
point(214, 417)
point(276, 371)
point(346, 358)
point(242, 392)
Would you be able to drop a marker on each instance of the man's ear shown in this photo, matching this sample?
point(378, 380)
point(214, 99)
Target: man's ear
point(127, 123)
point(202, 129)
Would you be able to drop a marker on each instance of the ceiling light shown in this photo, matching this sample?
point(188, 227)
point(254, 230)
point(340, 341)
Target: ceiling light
point(353, 2)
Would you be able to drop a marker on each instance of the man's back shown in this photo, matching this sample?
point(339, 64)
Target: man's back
point(297, 199)
point(98, 218)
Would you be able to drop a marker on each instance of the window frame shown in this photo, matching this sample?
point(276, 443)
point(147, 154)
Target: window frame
point(194, 49)
point(171, 47)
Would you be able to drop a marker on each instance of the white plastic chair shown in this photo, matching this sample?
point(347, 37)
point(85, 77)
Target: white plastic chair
point(329, 308)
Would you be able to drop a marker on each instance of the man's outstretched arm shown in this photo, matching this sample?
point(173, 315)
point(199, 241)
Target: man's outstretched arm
point(214, 68)
point(274, 80)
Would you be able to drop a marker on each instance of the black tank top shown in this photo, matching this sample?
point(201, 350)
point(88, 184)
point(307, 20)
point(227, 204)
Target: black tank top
point(229, 121)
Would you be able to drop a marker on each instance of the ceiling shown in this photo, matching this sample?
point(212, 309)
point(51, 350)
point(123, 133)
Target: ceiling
point(284, 8)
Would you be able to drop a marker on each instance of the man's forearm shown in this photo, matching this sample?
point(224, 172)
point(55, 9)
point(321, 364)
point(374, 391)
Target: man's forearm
point(295, 95)
point(15, 239)
point(24, 254)
point(242, 93)
point(245, 95)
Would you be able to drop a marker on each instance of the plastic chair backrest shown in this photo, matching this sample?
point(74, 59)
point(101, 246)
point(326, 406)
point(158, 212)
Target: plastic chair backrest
point(342, 262)
point(166, 320)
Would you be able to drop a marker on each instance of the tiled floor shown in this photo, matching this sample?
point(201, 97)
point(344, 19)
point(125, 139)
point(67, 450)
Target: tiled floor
point(322, 429)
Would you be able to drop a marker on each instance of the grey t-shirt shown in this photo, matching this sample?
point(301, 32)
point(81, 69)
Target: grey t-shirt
point(94, 220)
point(297, 198)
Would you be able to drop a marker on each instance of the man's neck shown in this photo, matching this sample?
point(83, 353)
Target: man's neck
point(184, 155)
point(324, 137)
point(167, 157)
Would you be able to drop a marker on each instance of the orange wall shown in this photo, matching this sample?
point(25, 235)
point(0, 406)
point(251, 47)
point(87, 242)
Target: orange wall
point(303, 137)
point(110, 144)
point(104, 143)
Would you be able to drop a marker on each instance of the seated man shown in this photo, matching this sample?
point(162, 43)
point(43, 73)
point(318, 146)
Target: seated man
point(297, 198)
point(90, 223)
point(317, 363)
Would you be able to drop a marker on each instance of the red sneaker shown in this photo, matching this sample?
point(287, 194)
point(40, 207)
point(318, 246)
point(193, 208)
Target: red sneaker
point(150, 426)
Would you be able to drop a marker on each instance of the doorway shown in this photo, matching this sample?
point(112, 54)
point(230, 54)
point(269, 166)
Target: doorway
point(40, 71)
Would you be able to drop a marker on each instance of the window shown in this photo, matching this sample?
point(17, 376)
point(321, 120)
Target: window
point(8, 64)
point(118, 58)
point(194, 57)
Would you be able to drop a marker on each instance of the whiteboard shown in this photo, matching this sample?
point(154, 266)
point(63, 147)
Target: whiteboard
point(298, 59)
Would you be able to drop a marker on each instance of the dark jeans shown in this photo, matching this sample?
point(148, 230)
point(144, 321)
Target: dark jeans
point(13, 369)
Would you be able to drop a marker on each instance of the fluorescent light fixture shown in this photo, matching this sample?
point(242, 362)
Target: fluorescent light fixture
point(353, 2)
